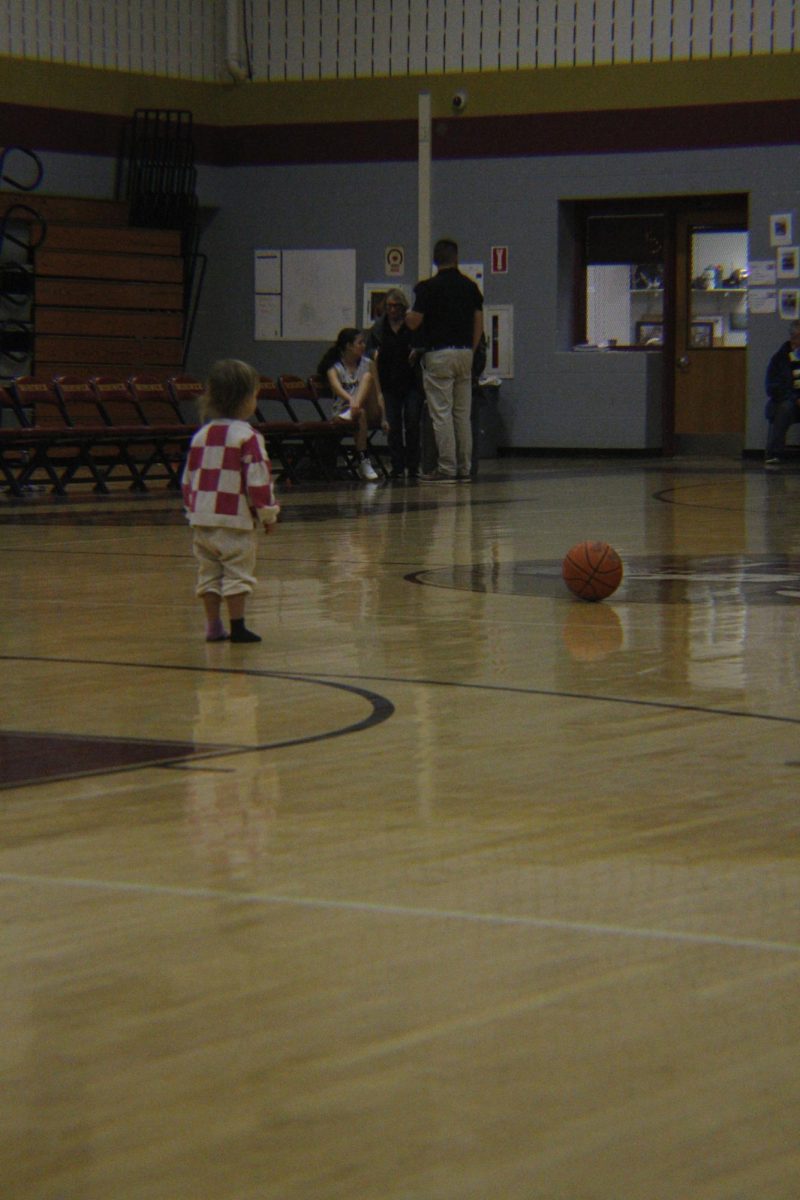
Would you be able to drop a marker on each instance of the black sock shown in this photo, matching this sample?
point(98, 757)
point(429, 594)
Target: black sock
point(240, 634)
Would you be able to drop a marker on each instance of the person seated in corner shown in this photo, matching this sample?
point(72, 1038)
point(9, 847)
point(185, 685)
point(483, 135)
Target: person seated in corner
point(783, 392)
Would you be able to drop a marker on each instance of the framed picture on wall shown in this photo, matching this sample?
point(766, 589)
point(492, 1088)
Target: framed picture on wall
point(788, 262)
point(789, 304)
point(717, 324)
point(701, 335)
point(374, 301)
point(737, 321)
point(780, 229)
point(649, 333)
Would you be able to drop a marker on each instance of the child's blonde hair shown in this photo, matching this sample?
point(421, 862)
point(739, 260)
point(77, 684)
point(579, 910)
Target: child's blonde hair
point(230, 383)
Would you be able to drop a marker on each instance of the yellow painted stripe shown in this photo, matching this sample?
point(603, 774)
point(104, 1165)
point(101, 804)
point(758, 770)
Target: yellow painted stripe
point(575, 89)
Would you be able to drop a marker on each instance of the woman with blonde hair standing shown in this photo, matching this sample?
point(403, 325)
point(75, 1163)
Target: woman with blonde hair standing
point(391, 344)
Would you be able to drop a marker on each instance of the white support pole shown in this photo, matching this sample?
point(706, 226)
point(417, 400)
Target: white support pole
point(424, 185)
point(233, 37)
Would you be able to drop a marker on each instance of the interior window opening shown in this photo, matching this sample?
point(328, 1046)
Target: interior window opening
point(717, 311)
point(625, 279)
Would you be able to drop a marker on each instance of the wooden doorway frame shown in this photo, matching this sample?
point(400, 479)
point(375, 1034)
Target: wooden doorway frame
point(727, 207)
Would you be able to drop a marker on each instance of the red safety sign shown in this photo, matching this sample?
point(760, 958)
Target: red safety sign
point(499, 260)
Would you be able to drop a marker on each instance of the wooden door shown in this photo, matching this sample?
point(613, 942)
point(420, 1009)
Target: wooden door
point(710, 333)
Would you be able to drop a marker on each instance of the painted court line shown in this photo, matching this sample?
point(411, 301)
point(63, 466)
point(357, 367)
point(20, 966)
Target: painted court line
point(402, 910)
point(457, 1026)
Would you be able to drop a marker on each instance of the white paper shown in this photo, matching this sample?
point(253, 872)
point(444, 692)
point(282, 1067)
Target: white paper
point(268, 319)
point(762, 300)
point(268, 271)
point(474, 271)
point(761, 272)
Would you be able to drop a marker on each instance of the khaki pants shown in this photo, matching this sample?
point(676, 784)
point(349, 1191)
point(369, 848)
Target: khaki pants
point(226, 560)
point(447, 375)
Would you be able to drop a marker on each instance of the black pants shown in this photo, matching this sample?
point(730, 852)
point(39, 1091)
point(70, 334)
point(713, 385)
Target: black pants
point(781, 414)
point(404, 414)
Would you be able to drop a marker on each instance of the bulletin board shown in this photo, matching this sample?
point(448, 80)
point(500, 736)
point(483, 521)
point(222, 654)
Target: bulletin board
point(304, 295)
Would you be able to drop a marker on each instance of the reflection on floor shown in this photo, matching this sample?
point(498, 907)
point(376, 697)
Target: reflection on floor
point(453, 887)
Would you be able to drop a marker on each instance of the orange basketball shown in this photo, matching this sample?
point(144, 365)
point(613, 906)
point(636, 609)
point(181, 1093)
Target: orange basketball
point(592, 570)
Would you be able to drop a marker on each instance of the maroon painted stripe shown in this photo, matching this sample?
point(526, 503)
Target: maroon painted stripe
point(60, 129)
point(607, 131)
point(621, 131)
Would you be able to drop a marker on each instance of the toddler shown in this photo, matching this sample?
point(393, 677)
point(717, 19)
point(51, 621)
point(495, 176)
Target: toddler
point(227, 491)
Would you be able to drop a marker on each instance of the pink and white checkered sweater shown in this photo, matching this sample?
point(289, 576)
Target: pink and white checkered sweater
point(227, 479)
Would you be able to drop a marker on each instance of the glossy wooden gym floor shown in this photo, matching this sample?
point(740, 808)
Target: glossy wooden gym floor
point(454, 888)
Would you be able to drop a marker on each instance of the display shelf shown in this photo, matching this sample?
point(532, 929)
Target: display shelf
point(695, 291)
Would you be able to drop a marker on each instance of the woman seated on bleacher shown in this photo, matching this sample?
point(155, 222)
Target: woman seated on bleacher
point(357, 396)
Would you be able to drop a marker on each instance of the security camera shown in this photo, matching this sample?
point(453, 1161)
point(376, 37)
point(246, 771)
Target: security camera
point(459, 101)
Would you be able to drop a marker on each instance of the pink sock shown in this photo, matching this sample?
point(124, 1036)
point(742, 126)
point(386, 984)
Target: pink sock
point(215, 631)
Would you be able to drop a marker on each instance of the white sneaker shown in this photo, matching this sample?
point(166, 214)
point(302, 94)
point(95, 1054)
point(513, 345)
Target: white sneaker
point(367, 471)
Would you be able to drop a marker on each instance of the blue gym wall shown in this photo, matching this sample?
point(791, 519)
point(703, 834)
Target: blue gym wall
point(565, 132)
point(557, 398)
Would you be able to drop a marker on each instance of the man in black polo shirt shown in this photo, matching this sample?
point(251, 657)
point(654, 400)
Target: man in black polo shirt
point(449, 307)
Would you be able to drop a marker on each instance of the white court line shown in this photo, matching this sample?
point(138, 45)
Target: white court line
point(402, 910)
